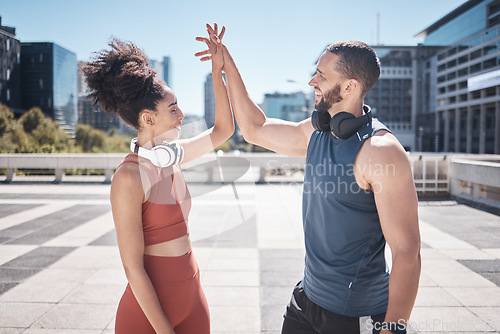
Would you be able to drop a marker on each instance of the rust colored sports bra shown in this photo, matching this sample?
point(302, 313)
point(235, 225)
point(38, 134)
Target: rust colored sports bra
point(165, 212)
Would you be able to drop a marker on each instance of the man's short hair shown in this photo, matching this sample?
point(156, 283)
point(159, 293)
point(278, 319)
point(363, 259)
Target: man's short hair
point(357, 61)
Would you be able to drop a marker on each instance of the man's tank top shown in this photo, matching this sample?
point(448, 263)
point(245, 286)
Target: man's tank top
point(165, 213)
point(345, 269)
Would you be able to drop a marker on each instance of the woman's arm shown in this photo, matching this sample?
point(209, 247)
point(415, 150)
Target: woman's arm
point(224, 126)
point(289, 138)
point(126, 205)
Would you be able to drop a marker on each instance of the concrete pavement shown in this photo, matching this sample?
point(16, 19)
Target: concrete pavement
point(60, 270)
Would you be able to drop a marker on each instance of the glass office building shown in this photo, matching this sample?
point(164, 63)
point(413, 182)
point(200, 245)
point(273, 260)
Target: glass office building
point(465, 107)
point(391, 97)
point(49, 81)
point(10, 60)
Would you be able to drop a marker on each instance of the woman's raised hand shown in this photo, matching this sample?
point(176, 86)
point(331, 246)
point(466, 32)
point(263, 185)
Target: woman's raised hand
point(214, 43)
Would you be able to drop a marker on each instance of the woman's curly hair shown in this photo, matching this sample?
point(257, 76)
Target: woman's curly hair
point(121, 80)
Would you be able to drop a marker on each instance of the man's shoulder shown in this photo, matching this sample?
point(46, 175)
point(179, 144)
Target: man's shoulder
point(381, 148)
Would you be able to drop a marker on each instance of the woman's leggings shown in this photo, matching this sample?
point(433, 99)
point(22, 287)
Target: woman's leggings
point(177, 284)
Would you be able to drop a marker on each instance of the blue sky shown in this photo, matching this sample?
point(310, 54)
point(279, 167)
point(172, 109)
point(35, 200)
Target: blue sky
point(273, 42)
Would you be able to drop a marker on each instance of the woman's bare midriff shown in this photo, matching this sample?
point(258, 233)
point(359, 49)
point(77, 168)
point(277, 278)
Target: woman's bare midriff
point(172, 248)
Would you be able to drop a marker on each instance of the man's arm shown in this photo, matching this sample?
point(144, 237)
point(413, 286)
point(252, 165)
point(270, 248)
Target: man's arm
point(391, 180)
point(281, 136)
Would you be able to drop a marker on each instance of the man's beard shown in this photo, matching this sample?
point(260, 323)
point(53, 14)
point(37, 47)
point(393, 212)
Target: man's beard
point(329, 99)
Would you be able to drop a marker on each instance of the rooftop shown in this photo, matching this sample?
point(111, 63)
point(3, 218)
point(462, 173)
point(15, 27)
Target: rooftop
point(60, 270)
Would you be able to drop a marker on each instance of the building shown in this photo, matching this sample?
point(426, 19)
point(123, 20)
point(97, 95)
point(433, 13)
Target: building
point(167, 71)
point(396, 97)
point(162, 69)
point(210, 106)
point(287, 106)
point(463, 111)
point(210, 100)
point(49, 81)
point(10, 64)
point(391, 98)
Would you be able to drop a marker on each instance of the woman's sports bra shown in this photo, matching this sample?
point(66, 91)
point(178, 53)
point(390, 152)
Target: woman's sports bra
point(165, 212)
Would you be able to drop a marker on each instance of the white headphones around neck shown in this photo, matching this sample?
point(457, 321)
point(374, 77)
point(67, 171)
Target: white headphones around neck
point(161, 155)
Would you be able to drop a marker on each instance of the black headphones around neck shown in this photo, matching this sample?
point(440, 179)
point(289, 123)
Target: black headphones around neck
point(343, 125)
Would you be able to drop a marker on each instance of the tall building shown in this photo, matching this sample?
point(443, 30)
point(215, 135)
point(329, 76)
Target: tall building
point(49, 81)
point(287, 106)
point(396, 97)
point(391, 97)
point(162, 69)
point(210, 105)
point(10, 63)
point(167, 71)
point(464, 113)
point(210, 100)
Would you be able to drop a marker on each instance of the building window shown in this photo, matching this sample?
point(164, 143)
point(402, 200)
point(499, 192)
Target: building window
point(8, 94)
point(41, 84)
point(490, 63)
point(441, 67)
point(475, 41)
point(475, 68)
point(463, 72)
point(452, 63)
point(463, 59)
point(40, 57)
point(490, 91)
point(8, 75)
point(442, 78)
point(475, 54)
point(8, 44)
point(462, 85)
point(18, 58)
point(476, 95)
point(490, 49)
point(451, 76)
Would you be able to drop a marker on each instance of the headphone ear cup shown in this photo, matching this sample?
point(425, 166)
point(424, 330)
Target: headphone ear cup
point(320, 120)
point(344, 125)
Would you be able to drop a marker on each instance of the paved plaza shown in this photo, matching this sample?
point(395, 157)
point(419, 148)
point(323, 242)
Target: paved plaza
point(60, 270)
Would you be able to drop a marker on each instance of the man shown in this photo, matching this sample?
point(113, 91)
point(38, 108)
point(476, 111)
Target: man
point(358, 194)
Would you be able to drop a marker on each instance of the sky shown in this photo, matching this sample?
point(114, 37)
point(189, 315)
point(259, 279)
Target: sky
point(274, 43)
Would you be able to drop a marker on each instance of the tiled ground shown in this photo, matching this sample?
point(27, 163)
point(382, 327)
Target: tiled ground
point(60, 270)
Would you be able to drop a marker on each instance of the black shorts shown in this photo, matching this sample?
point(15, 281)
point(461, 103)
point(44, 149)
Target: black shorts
point(304, 317)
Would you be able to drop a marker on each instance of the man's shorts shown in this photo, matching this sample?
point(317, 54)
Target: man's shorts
point(304, 317)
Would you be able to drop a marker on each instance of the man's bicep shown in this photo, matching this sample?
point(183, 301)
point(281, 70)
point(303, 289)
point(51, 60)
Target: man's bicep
point(396, 198)
point(284, 137)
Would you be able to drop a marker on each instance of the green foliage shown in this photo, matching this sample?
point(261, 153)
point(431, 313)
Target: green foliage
point(32, 119)
point(6, 119)
point(33, 132)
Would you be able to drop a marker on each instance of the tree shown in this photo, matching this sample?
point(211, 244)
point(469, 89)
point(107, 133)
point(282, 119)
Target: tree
point(6, 119)
point(31, 119)
point(43, 134)
point(90, 139)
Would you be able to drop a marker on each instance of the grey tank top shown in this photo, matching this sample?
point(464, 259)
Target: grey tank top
point(345, 270)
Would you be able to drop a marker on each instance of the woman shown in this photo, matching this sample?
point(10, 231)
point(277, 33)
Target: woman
point(150, 204)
